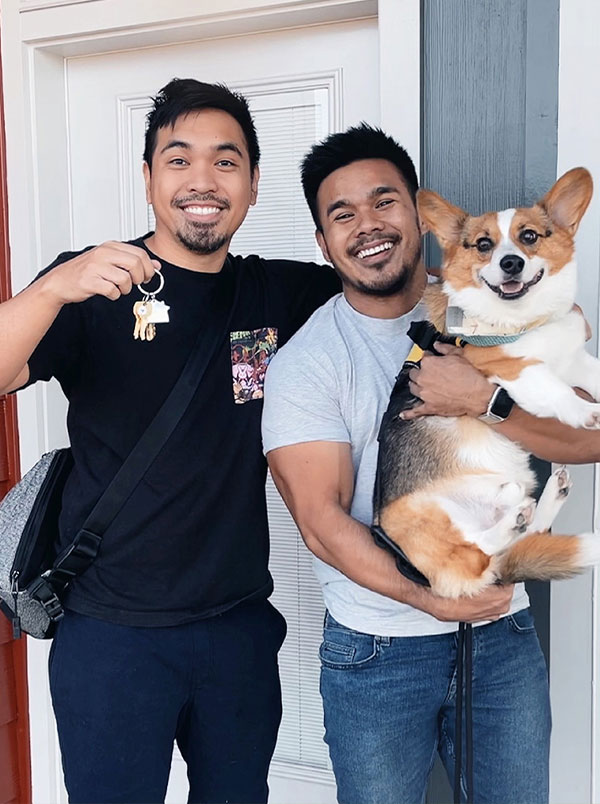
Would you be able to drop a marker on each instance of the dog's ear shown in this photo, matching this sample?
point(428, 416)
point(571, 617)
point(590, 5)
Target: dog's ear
point(440, 217)
point(568, 200)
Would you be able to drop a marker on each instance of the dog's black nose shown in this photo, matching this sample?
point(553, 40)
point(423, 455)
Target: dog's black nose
point(512, 264)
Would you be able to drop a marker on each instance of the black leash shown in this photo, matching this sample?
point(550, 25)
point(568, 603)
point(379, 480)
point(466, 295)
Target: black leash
point(469, 708)
point(464, 676)
point(425, 336)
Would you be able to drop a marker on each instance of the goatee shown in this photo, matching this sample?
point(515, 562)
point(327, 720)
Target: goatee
point(386, 286)
point(196, 236)
point(393, 286)
point(201, 239)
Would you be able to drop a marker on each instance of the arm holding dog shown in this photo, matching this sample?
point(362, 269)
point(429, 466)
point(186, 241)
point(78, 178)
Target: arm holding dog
point(451, 386)
point(316, 482)
point(108, 270)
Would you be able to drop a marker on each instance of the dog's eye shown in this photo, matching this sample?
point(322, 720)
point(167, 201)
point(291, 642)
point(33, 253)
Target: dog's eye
point(528, 236)
point(484, 244)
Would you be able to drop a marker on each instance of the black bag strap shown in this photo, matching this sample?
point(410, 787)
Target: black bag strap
point(82, 551)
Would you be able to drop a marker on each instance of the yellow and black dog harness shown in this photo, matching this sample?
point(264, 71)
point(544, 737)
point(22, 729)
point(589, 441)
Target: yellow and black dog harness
point(425, 336)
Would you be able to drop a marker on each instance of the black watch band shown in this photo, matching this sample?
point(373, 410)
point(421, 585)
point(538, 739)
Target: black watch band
point(499, 407)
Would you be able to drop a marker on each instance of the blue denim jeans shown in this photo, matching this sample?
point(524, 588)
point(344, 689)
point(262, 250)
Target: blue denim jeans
point(122, 695)
point(390, 705)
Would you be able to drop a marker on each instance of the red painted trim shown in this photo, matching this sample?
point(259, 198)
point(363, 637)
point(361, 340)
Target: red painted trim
point(15, 757)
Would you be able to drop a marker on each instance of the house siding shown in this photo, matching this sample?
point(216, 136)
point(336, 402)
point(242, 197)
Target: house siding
point(489, 83)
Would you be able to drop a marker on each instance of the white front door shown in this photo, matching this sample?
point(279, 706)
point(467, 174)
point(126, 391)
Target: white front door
point(301, 84)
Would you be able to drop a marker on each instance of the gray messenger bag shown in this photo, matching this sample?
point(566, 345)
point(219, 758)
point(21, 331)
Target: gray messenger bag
point(32, 577)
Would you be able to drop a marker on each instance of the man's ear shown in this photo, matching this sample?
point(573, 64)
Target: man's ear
point(254, 186)
point(440, 217)
point(567, 201)
point(146, 171)
point(323, 245)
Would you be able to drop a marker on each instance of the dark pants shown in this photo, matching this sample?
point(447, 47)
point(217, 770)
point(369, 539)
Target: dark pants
point(123, 695)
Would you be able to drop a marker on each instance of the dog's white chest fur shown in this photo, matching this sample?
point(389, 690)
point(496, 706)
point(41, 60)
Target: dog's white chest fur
point(555, 362)
point(558, 344)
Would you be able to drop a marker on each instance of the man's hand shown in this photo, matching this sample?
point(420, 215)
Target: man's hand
point(448, 386)
point(109, 270)
point(491, 604)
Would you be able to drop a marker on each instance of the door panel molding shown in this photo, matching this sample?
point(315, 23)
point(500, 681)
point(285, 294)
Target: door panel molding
point(131, 105)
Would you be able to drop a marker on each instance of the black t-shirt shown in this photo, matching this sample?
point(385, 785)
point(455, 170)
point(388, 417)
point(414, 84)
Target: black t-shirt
point(192, 540)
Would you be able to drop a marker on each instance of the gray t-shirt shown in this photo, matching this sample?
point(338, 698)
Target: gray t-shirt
point(332, 382)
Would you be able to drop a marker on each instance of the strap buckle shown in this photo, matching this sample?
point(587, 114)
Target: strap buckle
point(74, 559)
point(425, 335)
point(42, 591)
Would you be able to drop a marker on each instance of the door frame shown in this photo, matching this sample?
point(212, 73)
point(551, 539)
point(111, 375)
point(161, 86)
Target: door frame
point(38, 38)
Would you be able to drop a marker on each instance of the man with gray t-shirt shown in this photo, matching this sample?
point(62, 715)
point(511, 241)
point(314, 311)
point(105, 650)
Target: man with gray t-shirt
point(389, 648)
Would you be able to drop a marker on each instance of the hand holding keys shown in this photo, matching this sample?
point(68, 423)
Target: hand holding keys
point(148, 312)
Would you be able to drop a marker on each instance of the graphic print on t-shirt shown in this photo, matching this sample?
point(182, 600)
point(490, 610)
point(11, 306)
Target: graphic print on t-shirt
point(251, 352)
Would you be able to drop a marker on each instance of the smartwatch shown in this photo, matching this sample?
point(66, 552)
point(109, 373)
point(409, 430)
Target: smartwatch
point(499, 407)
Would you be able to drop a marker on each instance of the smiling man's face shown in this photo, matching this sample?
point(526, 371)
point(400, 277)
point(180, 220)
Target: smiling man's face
point(201, 184)
point(370, 229)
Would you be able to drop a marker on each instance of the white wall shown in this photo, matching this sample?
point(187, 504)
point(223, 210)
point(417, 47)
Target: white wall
point(574, 604)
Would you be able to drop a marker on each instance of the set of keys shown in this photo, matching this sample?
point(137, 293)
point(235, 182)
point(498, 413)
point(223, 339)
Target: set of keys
point(149, 312)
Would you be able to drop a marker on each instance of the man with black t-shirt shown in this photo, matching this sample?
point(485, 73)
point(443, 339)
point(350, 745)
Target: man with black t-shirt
point(169, 634)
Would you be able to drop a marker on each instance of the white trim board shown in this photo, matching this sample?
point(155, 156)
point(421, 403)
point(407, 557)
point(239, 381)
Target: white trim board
point(575, 611)
point(109, 25)
point(36, 5)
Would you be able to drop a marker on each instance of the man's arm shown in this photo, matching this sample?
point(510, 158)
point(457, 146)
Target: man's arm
point(108, 270)
point(451, 386)
point(315, 480)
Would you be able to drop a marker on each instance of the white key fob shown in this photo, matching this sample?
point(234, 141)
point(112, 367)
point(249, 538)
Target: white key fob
point(159, 313)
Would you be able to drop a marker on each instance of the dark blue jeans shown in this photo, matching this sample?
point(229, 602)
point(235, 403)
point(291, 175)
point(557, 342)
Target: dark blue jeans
point(122, 696)
point(390, 705)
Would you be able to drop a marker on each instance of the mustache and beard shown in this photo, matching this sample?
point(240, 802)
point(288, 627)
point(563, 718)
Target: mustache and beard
point(383, 283)
point(197, 236)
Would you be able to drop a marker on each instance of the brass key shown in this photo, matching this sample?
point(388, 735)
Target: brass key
point(142, 310)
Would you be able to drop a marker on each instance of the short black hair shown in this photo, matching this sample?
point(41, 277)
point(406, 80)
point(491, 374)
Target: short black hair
point(338, 150)
point(184, 95)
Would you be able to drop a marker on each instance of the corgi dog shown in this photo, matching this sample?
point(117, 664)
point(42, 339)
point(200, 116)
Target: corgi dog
point(453, 493)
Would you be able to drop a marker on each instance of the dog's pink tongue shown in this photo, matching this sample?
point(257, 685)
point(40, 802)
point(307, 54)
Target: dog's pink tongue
point(511, 287)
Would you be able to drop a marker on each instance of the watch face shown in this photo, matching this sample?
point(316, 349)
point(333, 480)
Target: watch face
point(502, 405)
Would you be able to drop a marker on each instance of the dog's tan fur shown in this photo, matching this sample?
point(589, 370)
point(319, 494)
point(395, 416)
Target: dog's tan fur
point(462, 563)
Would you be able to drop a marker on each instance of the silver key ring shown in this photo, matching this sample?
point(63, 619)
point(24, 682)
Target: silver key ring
point(141, 289)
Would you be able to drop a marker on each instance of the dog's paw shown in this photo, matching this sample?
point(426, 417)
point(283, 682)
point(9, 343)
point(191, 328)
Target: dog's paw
point(559, 485)
point(552, 498)
point(563, 482)
point(592, 420)
point(524, 516)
